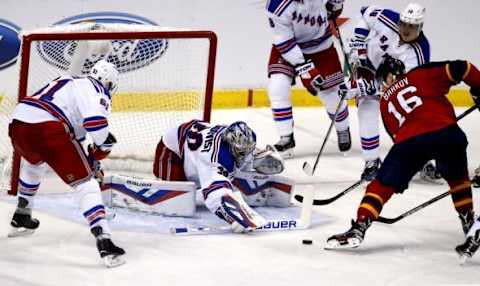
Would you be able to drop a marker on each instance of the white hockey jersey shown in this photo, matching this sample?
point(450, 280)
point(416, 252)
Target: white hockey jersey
point(299, 27)
point(379, 27)
point(207, 160)
point(83, 104)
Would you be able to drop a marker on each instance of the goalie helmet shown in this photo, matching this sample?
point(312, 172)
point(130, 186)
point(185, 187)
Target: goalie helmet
point(241, 139)
point(389, 69)
point(106, 73)
point(411, 22)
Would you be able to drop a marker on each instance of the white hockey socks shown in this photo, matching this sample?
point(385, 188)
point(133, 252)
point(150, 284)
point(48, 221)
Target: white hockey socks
point(369, 118)
point(330, 98)
point(279, 89)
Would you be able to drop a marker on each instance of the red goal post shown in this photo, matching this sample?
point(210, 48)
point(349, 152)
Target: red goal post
point(164, 104)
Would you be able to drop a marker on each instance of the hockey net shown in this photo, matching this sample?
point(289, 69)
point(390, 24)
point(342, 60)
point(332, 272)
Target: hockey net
point(166, 77)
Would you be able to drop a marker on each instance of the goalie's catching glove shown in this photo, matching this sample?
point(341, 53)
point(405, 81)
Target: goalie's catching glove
point(310, 76)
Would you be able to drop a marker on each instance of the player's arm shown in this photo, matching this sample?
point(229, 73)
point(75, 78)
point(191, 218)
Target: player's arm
point(460, 70)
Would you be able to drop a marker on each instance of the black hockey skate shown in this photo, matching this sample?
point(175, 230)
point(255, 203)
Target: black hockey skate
point(430, 174)
point(344, 140)
point(371, 169)
point(285, 146)
point(467, 219)
point(469, 247)
point(350, 239)
point(22, 222)
point(110, 253)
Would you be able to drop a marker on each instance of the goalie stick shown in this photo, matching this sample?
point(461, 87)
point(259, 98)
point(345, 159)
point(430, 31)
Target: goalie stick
point(317, 202)
point(421, 206)
point(307, 168)
point(272, 225)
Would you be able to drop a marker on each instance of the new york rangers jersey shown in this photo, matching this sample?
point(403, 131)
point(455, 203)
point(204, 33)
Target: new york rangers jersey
point(380, 28)
point(207, 159)
point(299, 27)
point(82, 104)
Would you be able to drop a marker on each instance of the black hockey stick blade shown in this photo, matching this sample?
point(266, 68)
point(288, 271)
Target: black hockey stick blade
point(323, 202)
point(421, 206)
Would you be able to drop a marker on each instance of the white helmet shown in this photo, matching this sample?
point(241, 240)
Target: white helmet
point(106, 73)
point(414, 14)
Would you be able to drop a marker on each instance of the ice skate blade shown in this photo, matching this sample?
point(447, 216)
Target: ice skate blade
point(337, 245)
point(20, 231)
point(112, 261)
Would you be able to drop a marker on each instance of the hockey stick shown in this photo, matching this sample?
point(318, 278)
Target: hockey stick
point(307, 168)
point(468, 111)
point(317, 202)
point(421, 206)
point(272, 225)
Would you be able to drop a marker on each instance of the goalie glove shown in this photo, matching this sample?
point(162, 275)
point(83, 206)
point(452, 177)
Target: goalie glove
point(268, 161)
point(310, 76)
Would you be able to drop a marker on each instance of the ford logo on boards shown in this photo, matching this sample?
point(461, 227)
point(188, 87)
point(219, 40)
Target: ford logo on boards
point(128, 55)
point(9, 43)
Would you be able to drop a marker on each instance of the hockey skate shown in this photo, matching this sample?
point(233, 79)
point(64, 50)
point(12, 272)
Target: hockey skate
point(466, 250)
point(23, 224)
point(344, 140)
point(285, 146)
point(430, 174)
point(467, 219)
point(350, 239)
point(109, 252)
point(371, 169)
point(476, 178)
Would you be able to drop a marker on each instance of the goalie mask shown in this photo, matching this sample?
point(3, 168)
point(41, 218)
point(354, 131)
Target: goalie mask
point(107, 74)
point(241, 139)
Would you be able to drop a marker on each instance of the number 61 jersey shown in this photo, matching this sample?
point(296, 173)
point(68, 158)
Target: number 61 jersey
point(417, 103)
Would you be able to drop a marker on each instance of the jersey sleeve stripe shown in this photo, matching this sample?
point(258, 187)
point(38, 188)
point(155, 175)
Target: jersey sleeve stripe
point(361, 33)
point(388, 23)
point(95, 123)
point(277, 7)
point(449, 75)
point(418, 53)
point(286, 46)
point(469, 66)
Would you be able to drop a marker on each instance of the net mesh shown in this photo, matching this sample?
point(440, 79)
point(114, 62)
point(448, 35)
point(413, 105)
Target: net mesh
point(162, 83)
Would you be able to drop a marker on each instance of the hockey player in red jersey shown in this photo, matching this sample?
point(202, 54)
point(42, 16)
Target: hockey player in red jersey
point(422, 123)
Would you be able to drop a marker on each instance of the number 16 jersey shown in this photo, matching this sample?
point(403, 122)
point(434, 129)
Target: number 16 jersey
point(417, 103)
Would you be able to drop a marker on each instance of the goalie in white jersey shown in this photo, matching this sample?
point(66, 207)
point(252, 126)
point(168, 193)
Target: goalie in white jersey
point(379, 32)
point(48, 128)
point(212, 156)
point(303, 46)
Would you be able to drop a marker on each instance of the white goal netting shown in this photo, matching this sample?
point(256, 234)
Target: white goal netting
point(165, 79)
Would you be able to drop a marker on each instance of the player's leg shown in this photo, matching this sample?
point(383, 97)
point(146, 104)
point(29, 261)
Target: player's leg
point(452, 163)
point(67, 158)
point(281, 75)
point(328, 65)
point(369, 117)
point(402, 162)
point(23, 137)
point(167, 165)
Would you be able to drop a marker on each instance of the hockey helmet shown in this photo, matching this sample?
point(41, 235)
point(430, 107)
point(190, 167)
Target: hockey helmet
point(389, 70)
point(411, 22)
point(106, 73)
point(241, 139)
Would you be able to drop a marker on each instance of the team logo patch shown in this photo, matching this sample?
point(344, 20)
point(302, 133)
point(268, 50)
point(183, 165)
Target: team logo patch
point(9, 43)
point(128, 55)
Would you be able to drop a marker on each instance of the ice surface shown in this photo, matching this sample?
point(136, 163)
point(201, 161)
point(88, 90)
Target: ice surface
point(415, 251)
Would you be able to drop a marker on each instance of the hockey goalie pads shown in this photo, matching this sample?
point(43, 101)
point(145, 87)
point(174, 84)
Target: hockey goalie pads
point(268, 161)
point(264, 190)
point(149, 195)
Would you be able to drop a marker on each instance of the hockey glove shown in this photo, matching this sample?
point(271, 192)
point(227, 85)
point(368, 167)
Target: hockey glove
point(95, 165)
point(358, 53)
point(476, 178)
point(359, 88)
point(334, 8)
point(101, 152)
point(310, 76)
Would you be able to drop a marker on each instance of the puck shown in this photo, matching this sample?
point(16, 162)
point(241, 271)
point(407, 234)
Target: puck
point(307, 241)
